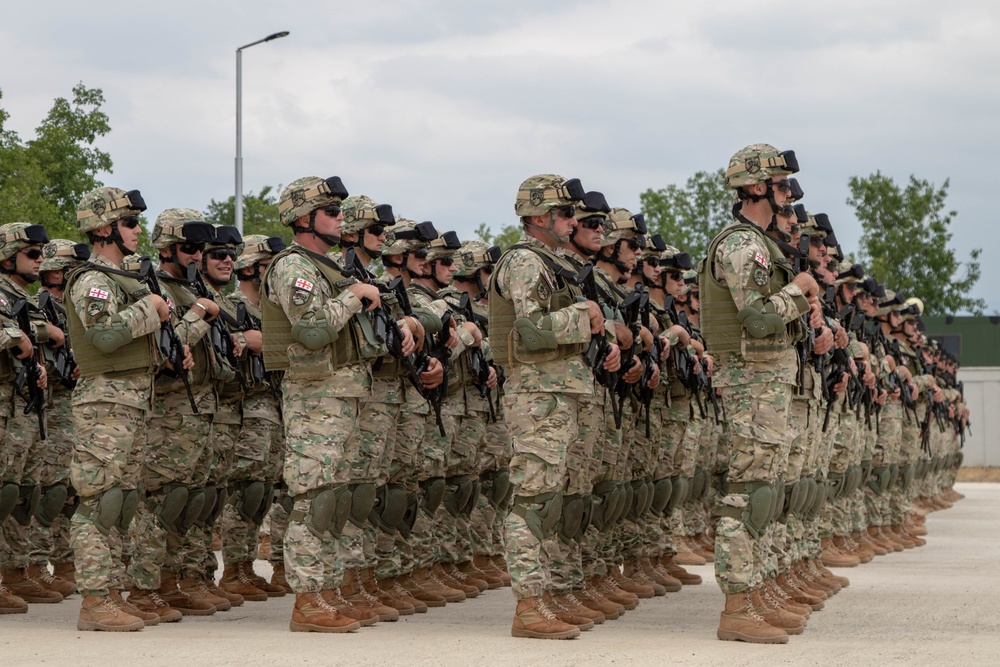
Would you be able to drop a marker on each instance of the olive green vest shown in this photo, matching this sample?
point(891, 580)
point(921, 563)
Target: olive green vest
point(134, 358)
point(722, 330)
point(7, 373)
point(507, 349)
point(355, 343)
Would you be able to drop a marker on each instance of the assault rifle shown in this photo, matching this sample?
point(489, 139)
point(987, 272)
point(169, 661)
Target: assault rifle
point(30, 372)
point(168, 341)
point(64, 361)
point(478, 365)
point(219, 335)
point(630, 308)
point(599, 346)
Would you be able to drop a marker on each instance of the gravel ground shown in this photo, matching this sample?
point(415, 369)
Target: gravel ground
point(936, 605)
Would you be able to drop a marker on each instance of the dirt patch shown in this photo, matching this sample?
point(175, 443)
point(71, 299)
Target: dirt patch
point(979, 474)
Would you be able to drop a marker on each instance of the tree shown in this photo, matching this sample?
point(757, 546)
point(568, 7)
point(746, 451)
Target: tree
point(508, 236)
point(42, 181)
point(689, 217)
point(904, 243)
point(260, 214)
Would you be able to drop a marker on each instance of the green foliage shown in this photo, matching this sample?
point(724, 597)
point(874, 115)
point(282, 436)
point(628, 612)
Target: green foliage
point(689, 216)
point(42, 181)
point(904, 243)
point(260, 214)
point(508, 236)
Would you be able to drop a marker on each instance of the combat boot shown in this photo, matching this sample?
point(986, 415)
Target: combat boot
point(197, 589)
point(10, 603)
point(273, 591)
point(591, 598)
point(479, 567)
point(467, 579)
point(849, 546)
point(801, 584)
point(634, 572)
point(366, 579)
point(314, 614)
point(685, 554)
point(65, 571)
point(778, 596)
point(898, 534)
point(99, 612)
point(796, 594)
point(654, 571)
point(445, 578)
point(533, 619)
point(861, 537)
point(572, 604)
point(278, 577)
point(913, 526)
point(500, 565)
point(630, 585)
point(890, 537)
point(740, 622)
point(264, 548)
point(679, 573)
point(607, 587)
point(832, 557)
point(817, 566)
point(180, 600)
point(396, 598)
point(41, 575)
point(151, 601)
point(424, 586)
point(917, 541)
point(148, 618)
point(29, 590)
point(774, 615)
point(234, 599)
point(234, 580)
point(359, 598)
point(335, 599)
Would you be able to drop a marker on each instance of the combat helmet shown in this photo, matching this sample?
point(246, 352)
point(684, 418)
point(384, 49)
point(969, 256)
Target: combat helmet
point(256, 249)
point(103, 206)
point(61, 255)
point(362, 214)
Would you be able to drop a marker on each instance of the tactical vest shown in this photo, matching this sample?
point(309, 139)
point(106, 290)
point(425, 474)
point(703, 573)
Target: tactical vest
point(722, 330)
point(507, 348)
point(355, 343)
point(388, 366)
point(227, 311)
point(7, 373)
point(202, 352)
point(133, 358)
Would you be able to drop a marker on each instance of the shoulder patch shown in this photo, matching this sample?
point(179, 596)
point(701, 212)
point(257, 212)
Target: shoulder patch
point(303, 284)
point(300, 296)
point(544, 291)
point(762, 259)
point(95, 308)
point(96, 293)
point(760, 275)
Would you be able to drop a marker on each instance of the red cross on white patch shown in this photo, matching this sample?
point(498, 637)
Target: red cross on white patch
point(761, 259)
point(303, 284)
point(97, 293)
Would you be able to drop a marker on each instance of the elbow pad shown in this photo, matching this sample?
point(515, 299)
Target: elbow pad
point(314, 334)
point(108, 336)
point(533, 338)
point(760, 325)
point(428, 320)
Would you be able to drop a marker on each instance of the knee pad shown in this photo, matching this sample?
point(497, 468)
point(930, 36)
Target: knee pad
point(204, 519)
point(795, 497)
point(625, 499)
point(109, 508)
point(681, 486)
point(169, 503)
point(501, 488)
point(572, 516)
point(410, 512)
point(72, 502)
point(249, 498)
point(329, 510)
point(473, 499)
point(662, 490)
point(878, 480)
point(269, 495)
point(459, 490)
point(819, 500)
point(362, 502)
point(194, 509)
point(760, 508)
point(9, 493)
point(959, 457)
point(808, 496)
point(541, 513)
point(604, 500)
point(866, 472)
point(130, 503)
point(51, 504)
point(857, 476)
point(28, 498)
point(283, 498)
point(835, 482)
point(434, 489)
point(698, 484)
point(389, 509)
point(640, 496)
point(588, 515)
point(906, 476)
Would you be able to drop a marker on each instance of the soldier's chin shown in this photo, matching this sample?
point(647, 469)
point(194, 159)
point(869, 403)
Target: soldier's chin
point(31, 277)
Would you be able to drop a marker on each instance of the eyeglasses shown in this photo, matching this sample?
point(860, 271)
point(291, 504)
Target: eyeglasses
point(221, 253)
point(33, 253)
point(129, 222)
point(375, 230)
point(333, 211)
point(565, 211)
point(191, 248)
point(446, 261)
point(591, 223)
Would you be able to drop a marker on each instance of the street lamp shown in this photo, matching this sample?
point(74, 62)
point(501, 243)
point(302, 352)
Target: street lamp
point(239, 123)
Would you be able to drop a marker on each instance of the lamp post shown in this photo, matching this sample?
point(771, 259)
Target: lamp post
point(239, 123)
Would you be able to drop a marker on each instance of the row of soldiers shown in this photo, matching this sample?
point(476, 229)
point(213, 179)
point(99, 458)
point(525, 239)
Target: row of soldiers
point(546, 419)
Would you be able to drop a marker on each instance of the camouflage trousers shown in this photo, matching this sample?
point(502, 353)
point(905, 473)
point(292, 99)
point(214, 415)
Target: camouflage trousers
point(599, 547)
point(257, 457)
point(543, 428)
point(107, 453)
point(758, 450)
point(50, 470)
point(435, 538)
point(321, 437)
point(24, 452)
point(177, 452)
point(197, 557)
point(487, 518)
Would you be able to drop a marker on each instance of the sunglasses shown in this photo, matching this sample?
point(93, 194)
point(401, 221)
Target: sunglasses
point(189, 248)
point(634, 244)
point(784, 186)
point(333, 211)
point(566, 211)
point(129, 222)
point(375, 230)
point(591, 223)
point(488, 270)
point(33, 253)
point(674, 275)
point(446, 261)
point(651, 261)
point(221, 254)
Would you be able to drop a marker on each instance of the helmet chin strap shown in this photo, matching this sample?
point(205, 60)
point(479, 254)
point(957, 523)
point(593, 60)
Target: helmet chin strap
point(59, 286)
point(434, 276)
point(373, 254)
point(613, 260)
point(551, 230)
point(586, 252)
point(328, 239)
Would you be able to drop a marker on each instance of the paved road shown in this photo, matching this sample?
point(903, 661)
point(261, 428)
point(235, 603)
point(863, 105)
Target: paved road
point(936, 605)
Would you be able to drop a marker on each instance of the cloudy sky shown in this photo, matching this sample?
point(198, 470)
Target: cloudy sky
point(442, 107)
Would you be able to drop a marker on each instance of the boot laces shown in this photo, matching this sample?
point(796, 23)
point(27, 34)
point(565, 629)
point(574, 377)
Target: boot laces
point(44, 577)
point(242, 577)
point(456, 574)
point(545, 611)
point(155, 598)
point(320, 603)
point(398, 590)
point(750, 610)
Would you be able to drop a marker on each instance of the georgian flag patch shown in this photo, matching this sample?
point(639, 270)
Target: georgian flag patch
point(762, 259)
point(96, 293)
point(303, 284)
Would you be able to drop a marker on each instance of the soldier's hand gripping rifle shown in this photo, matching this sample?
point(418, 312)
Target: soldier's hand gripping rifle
point(30, 373)
point(650, 360)
point(479, 367)
point(630, 308)
point(219, 335)
point(64, 361)
point(599, 347)
point(168, 342)
point(681, 359)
